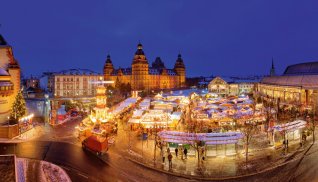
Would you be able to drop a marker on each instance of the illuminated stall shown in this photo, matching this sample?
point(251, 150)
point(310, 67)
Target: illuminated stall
point(215, 143)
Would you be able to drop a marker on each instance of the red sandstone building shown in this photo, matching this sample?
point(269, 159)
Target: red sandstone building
point(142, 76)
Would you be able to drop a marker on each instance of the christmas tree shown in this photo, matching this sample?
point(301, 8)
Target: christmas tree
point(18, 107)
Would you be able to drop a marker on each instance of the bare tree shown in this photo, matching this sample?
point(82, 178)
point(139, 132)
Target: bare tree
point(196, 143)
point(249, 130)
point(194, 139)
point(158, 143)
point(194, 127)
point(313, 123)
point(268, 117)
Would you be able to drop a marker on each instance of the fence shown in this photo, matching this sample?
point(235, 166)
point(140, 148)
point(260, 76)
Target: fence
point(9, 131)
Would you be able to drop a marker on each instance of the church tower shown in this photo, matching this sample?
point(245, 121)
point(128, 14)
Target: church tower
point(140, 70)
point(272, 70)
point(179, 68)
point(108, 68)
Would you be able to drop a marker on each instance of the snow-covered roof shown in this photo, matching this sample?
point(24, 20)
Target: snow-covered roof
point(75, 71)
point(310, 68)
point(125, 71)
point(209, 138)
point(305, 81)
point(154, 71)
point(3, 72)
point(171, 72)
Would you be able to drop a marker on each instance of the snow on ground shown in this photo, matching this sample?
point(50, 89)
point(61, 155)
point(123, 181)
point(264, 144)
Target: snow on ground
point(52, 172)
point(29, 170)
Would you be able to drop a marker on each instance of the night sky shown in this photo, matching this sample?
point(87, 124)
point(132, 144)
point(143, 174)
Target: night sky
point(214, 37)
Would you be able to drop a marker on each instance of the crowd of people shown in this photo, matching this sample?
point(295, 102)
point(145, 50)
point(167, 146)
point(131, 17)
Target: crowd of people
point(183, 151)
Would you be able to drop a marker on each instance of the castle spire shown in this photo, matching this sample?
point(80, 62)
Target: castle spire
point(139, 46)
point(108, 59)
point(2, 41)
point(139, 55)
point(179, 62)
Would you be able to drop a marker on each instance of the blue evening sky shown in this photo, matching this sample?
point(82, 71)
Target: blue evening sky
point(219, 37)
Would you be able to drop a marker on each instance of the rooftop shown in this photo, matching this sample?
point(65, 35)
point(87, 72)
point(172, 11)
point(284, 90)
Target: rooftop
point(73, 71)
point(3, 72)
point(298, 75)
point(305, 81)
point(309, 68)
point(2, 41)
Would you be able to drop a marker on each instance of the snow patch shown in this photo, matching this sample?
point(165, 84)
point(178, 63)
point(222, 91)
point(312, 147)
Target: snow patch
point(51, 173)
point(47, 172)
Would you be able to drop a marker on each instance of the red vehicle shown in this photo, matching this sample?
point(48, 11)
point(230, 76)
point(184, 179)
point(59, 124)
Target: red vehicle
point(98, 145)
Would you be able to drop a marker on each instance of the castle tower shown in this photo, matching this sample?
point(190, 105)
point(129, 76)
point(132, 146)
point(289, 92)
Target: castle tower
point(14, 71)
point(272, 70)
point(9, 79)
point(108, 68)
point(179, 68)
point(140, 70)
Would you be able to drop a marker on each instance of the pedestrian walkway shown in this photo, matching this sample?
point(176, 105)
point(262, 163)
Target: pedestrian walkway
point(45, 132)
point(260, 158)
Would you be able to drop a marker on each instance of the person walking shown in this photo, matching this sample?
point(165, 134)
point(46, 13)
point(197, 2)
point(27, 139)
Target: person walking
point(176, 150)
point(170, 160)
point(181, 151)
point(163, 156)
point(185, 151)
point(168, 150)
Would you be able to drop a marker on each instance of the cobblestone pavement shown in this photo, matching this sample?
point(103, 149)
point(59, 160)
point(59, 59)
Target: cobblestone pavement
point(261, 156)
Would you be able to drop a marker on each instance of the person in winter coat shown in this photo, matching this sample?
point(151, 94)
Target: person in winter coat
point(170, 160)
point(185, 151)
point(176, 150)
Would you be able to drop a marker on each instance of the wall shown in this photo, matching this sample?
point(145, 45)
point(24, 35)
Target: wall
point(4, 59)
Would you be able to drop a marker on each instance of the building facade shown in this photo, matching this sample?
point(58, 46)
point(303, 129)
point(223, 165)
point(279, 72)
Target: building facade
point(226, 88)
point(32, 82)
point(297, 86)
point(73, 83)
point(9, 79)
point(142, 76)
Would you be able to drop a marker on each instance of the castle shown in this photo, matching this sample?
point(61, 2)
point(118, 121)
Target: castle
point(9, 79)
point(141, 76)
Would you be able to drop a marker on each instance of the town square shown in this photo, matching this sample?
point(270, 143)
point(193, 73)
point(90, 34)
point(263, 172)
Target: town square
point(104, 92)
